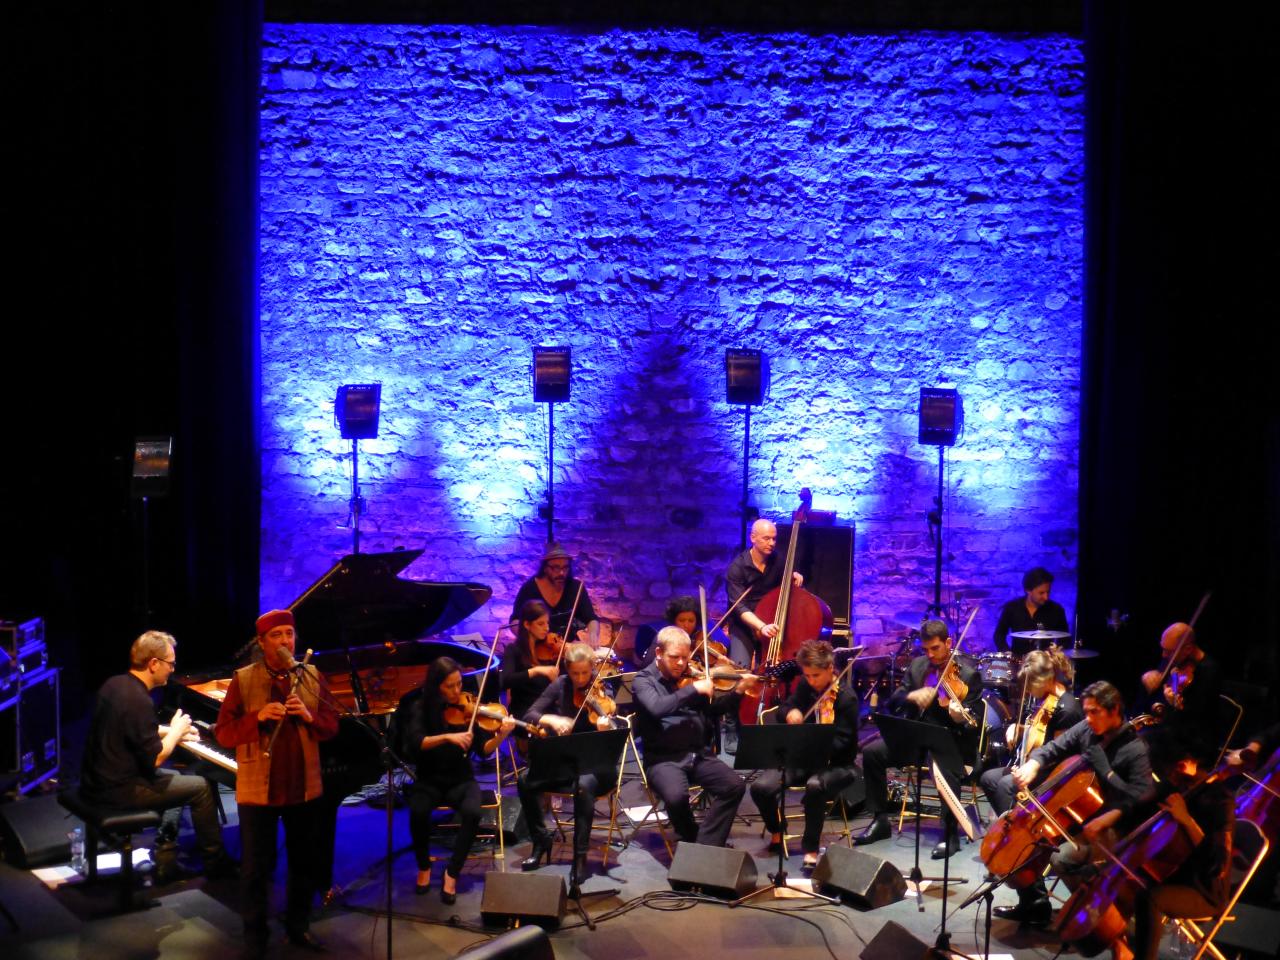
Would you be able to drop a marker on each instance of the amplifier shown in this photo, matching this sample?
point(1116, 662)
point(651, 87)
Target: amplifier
point(30, 731)
point(23, 647)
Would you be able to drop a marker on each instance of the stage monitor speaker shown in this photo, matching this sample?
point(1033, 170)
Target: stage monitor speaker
point(746, 376)
point(34, 832)
point(859, 878)
point(715, 871)
point(523, 943)
point(896, 942)
point(523, 897)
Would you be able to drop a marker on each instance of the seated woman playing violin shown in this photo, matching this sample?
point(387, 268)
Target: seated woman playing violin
point(950, 698)
point(818, 698)
point(441, 737)
point(532, 660)
point(573, 703)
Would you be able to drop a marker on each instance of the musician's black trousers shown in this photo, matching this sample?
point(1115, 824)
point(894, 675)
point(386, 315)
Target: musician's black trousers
point(670, 779)
point(169, 792)
point(464, 799)
point(258, 830)
point(875, 763)
point(585, 791)
point(819, 789)
point(998, 786)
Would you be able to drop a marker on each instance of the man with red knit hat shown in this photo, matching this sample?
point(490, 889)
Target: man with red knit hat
point(278, 779)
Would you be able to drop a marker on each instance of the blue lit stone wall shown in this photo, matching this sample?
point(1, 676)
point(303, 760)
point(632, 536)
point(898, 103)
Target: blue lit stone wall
point(876, 213)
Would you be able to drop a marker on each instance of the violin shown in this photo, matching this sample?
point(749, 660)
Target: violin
point(597, 703)
point(546, 652)
point(488, 716)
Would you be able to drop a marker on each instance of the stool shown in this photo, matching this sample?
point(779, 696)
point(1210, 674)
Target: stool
point(110, 823)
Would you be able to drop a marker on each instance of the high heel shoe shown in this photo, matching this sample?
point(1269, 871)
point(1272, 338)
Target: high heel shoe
point(420, 889)
point(534, 860)
point(445, 896)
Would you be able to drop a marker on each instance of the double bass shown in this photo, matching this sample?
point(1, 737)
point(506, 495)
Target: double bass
point(799, 616)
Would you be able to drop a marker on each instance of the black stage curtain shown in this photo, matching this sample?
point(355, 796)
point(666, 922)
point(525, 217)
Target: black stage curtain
point(1180, 459)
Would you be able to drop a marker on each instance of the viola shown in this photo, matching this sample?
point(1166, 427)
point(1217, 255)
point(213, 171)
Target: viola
point(597, 703)
point(546, 652)
point(1033, 736)
point(1097, 914)
point(488, 716)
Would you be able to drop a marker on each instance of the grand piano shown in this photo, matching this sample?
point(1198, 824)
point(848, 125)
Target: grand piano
point(366, 626)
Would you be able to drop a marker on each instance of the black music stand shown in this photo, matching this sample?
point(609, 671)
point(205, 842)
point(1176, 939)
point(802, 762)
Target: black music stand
point(783, 747)
point(913, 743)
point(554, 760)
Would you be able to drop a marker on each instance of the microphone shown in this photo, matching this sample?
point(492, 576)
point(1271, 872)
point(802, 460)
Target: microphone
point(1116, 620)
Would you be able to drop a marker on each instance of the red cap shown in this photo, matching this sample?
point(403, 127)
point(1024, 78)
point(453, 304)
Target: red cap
point(273, 618)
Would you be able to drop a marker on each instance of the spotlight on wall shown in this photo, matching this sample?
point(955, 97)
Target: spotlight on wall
point(746, 375)
point(152, 457)
point(941, 416)
point(355, 410)
point(550, 374)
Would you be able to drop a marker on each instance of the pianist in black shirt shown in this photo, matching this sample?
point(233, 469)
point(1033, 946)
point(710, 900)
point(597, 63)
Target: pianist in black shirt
point(1032, 611)
point(125, 750)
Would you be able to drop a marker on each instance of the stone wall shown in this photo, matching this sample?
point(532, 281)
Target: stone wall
point(875, 213)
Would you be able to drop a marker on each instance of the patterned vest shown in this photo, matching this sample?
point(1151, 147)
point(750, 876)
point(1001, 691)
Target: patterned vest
point(254, 773)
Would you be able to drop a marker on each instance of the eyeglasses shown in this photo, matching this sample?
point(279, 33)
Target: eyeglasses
point(168, 663)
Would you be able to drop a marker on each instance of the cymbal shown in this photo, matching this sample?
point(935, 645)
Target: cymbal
point(1080, 653)
point(1041, 635)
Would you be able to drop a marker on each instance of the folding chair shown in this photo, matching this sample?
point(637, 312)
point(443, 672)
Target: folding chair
point(1249, 848)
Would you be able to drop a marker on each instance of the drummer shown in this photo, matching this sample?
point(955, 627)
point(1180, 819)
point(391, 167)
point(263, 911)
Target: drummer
point(1031, 612)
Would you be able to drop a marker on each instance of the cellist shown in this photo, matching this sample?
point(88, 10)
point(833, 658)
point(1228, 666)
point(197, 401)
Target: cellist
point(1201, 885)
point(560, 710)
point(1119, 759)
point(919, 690)
point(818, 698)
point(1045, 676)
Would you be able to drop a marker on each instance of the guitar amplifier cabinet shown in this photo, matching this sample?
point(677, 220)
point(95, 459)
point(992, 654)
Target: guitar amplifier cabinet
point(824, 558)
point(30, 730)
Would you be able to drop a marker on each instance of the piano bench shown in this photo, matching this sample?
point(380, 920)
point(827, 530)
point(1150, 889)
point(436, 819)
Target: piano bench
point(111, 824)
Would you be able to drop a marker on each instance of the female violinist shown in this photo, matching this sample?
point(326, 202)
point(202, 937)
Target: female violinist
point(573, 703)
point(818, 698)
point(441, 738)
point(920, 693)
point(532, 659)
point(1119, 760)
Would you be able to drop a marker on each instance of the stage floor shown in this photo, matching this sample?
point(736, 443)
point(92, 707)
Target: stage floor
point(644, 919)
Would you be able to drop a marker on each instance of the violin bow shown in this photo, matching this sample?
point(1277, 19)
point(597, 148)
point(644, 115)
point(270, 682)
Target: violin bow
point(484, 677)
point(569, 626)
point(834, 683)
point(595, 679)
point(1177, 651)
point(706, 647)
point(955, 649)
point(706, 634)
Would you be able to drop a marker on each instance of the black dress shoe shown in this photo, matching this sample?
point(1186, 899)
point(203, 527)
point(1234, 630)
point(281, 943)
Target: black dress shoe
point(1035, 913)
point(535, 858)
point(305, 939)
point(944, 849)
point(879, 830)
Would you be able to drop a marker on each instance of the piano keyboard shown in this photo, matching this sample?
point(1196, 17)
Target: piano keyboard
point(212, 752)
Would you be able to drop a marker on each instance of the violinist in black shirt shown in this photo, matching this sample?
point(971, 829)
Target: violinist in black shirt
point(529, 660)
point(1187, 693)
point(562, 709)
point(818, 698)
point(440, 739)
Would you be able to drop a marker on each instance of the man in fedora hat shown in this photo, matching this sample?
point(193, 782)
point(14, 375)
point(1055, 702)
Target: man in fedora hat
point(555, 585)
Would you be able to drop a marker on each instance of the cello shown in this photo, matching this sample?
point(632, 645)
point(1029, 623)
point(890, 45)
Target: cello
point(799, 616)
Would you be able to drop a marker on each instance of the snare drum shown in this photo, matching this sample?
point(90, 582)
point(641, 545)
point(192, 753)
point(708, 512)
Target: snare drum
point(999, 670)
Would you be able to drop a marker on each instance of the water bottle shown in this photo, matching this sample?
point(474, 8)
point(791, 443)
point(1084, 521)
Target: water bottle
point(76, 837)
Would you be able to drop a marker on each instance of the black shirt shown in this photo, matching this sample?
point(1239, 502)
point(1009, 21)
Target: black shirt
point(1201, 714)
point(1212, 807)
point(1124, 775)
point(560, 611)
point(522, 687)
point(1015, 619)
point(914, 678)
point(557, 699)
point(743, 575)
point(674, 722)
point(446, 763)
point(123, 741)
point(844, 747)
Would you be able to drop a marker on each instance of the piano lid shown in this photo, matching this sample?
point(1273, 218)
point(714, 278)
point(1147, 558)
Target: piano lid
point(362, 600)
